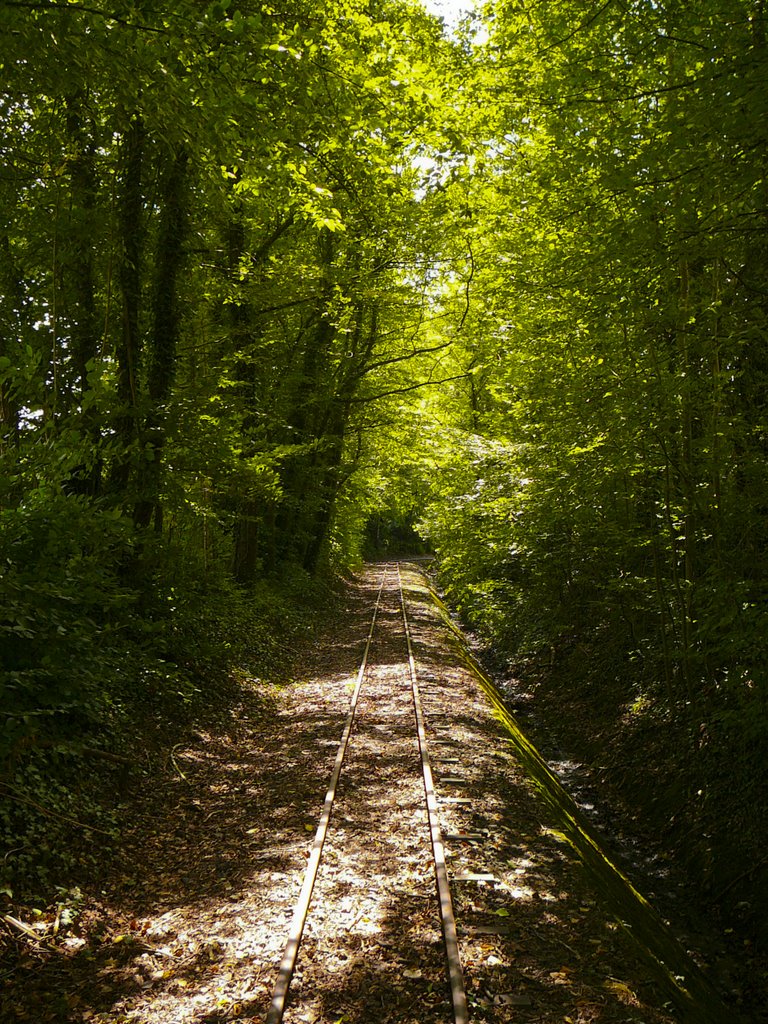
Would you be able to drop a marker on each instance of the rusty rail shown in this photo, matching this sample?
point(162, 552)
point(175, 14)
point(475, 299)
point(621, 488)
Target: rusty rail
point(447, 918)
point(288, 963)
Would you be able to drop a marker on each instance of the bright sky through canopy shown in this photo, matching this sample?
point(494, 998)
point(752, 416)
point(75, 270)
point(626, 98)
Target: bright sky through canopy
point(450, 10)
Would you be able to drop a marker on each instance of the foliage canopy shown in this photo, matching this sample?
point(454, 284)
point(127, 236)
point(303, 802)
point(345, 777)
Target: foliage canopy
point(277, 284)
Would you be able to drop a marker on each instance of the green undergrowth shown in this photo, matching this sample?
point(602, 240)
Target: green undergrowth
point(689, 774)
point(103, 668)
point(696, 789)
point(689, 990)
point(688, 788)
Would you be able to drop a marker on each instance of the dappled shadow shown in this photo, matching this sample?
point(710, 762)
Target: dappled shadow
point(205, 837)
point(191, 925)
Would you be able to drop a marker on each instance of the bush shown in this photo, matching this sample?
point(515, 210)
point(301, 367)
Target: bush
point(65, 616)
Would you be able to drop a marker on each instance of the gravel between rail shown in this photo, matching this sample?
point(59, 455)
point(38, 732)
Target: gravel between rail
point(190, 927)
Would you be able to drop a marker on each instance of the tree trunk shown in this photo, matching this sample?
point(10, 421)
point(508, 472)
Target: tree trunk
point(128, 351)
point(11, 305)
point(164, 337)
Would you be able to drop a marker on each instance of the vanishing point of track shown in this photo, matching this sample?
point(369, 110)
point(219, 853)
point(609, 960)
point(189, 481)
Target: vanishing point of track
point(302, 909)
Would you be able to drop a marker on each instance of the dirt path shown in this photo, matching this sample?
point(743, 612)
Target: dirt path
point(191, 926)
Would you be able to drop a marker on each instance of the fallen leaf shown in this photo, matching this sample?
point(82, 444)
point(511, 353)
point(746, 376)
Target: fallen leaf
point(624, 992)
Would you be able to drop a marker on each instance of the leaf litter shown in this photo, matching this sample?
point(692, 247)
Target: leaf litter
point(188, 922)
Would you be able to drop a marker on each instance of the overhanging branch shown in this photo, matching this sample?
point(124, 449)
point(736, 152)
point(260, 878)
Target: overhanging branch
point(409, 387)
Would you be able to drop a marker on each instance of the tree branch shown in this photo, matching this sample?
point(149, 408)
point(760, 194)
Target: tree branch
point(32, 6)
point(467, 285)
point(409, 387)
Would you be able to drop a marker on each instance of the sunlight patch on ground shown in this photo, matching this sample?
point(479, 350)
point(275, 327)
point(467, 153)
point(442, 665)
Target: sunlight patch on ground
point(217, 881)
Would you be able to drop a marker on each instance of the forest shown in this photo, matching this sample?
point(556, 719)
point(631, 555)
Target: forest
point(286, 286)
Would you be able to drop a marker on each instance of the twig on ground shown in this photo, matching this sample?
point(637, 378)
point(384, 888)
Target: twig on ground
point(173, 761)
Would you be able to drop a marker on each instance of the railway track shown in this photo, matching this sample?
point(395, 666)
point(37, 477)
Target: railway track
point(388, 661)
point(550, 929)
point(421, 775)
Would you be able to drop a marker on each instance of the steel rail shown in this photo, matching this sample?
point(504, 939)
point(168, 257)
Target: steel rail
point(288, 963)
point(447, 917)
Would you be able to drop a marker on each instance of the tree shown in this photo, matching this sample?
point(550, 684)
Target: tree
point(606, 495)
point(204, 247)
